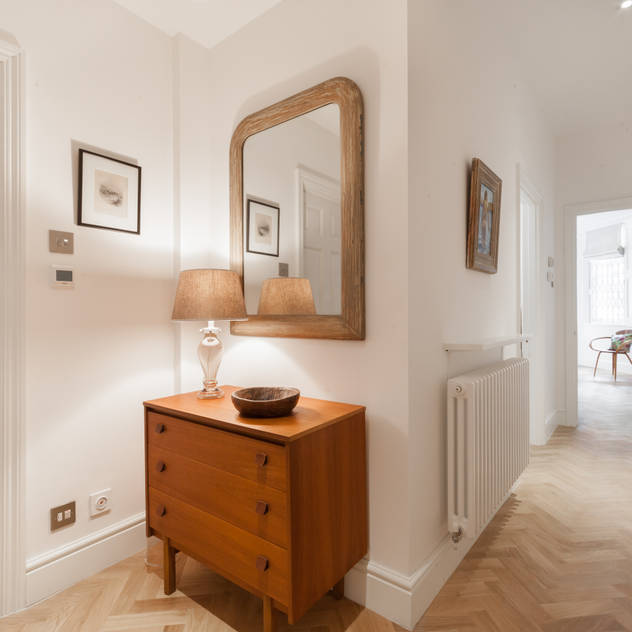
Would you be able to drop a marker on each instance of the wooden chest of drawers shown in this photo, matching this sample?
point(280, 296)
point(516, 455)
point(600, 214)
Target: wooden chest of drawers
point(278, 506)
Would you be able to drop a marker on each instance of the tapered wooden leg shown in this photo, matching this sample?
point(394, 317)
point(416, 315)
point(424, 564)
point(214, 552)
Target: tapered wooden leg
point(615, 358)
point(596, 364)
point(338, 591)
point(268, 615)
point(169, 566)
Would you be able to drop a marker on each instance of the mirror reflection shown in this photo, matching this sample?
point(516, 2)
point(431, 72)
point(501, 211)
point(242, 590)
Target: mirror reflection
point(292, 223)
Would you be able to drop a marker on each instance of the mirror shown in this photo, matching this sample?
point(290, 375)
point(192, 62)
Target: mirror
point(292, 223)
point(297, 235)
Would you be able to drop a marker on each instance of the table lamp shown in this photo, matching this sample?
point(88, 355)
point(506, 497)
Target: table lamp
point(286, 296)
point(209, 295)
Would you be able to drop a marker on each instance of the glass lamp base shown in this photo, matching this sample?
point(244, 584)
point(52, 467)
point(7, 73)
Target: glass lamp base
point(211, 393)
point(210, 355)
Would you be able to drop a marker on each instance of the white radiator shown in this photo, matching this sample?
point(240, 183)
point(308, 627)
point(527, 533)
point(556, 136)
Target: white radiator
point(487, 442)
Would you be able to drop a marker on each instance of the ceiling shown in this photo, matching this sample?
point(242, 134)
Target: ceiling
point(576, 55)
point(207, 22)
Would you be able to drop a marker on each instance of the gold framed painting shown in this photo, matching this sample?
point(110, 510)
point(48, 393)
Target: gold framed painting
point(483, 218)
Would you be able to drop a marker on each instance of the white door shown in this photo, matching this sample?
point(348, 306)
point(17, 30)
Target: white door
point(320, 256)
point(529, 304)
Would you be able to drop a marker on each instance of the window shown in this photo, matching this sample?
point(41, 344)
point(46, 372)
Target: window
point(609, 302)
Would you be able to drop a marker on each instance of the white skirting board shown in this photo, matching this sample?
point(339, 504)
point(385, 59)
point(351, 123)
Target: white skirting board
point(404, 598)
point(50, 572)
point(555, 419)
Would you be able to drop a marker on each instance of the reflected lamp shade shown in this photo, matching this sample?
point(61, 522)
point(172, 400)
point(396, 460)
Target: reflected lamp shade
point(209, 294)
point(286, 296)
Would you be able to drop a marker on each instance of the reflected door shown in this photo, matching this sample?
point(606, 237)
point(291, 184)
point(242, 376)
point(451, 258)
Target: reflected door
point(321, 245)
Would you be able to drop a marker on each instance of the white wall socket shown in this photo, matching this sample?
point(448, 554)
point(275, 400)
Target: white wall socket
point(100, 502)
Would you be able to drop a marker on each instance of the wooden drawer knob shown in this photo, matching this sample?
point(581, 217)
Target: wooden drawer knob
point(261, 459)
point(160, 428)
point(161, 510)
point(262, 563)
point(161, 466)
point(262, 507)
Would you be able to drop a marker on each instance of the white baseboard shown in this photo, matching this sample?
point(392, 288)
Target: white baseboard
point(555, 419)
point(404, 598)
point(55, 570)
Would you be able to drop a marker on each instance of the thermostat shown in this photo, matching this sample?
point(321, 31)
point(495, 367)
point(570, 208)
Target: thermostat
point(62, 276)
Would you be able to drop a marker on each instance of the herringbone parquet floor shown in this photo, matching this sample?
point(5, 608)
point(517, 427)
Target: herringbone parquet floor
point(558, 555)
point(557, 558)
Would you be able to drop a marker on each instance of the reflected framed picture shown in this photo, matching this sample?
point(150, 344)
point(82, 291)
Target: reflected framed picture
point(483, 218)
point(262, 228)
point(109, 193)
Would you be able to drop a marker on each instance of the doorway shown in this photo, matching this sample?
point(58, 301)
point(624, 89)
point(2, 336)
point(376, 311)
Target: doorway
point(599, 308)
point(604, 310)
point(530, 203)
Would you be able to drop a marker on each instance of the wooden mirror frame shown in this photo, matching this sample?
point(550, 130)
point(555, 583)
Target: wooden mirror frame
point(349, 325)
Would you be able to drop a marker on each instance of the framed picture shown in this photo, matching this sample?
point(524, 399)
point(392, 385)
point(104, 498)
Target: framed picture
point(109, 193)
point(262, 228)
point(483, 219)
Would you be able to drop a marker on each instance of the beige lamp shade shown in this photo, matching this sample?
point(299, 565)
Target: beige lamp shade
point(209, 295)
point(286, 295)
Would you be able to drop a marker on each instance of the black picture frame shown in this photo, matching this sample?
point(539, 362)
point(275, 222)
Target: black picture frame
point(276, 208)
point(81, 220)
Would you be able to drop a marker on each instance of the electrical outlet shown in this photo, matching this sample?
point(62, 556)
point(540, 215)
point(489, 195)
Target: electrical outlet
point(100, 502)
point(62, 516)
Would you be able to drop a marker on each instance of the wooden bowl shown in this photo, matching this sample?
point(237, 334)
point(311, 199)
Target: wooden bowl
point(265, 401)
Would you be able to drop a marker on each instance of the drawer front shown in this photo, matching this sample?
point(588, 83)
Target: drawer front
point(253, 459)
point(256, 562)
point(257, 508)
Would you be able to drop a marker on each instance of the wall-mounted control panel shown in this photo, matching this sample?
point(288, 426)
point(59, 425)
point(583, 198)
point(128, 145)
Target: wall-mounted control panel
point(62, 516)
point(62, 276)
point(62, 242)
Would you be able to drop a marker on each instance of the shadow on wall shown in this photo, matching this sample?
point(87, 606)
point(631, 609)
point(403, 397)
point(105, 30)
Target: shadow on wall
point(368, 82)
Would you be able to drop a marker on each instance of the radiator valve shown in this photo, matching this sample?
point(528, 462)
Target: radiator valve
point(457, 535)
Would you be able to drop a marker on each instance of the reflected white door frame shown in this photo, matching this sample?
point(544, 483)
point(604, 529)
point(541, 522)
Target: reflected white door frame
point(12, 550)
point(312, 185)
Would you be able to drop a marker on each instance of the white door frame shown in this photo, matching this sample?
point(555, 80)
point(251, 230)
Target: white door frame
point(12, 251)
point(536, 426)
point(571, 212)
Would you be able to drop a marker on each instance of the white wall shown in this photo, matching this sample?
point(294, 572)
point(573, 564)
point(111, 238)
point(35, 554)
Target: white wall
point(95, 75)
point(294, 46)
point(466, 99)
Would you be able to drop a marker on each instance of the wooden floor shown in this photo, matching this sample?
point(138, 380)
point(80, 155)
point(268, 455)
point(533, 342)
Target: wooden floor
point(558, 557)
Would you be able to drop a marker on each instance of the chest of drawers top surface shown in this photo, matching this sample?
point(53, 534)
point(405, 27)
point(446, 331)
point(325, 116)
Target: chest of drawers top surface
point(308, 416)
